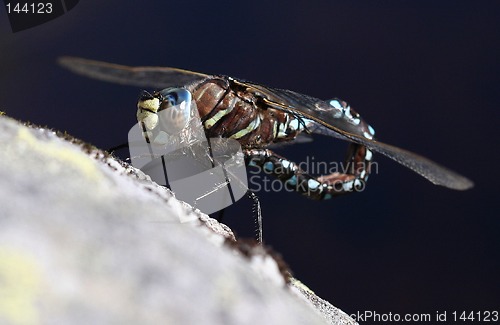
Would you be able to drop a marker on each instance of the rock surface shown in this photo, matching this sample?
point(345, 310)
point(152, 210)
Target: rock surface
point(87, 239)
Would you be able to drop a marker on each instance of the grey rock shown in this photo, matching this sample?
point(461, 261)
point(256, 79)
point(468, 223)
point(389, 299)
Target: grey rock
point(88, 239)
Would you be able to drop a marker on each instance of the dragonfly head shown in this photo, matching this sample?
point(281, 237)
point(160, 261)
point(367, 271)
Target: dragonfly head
point(168, 109)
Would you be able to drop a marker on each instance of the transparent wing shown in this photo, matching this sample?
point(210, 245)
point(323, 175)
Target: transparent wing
point(157, 77)
point(323, 114)
point(434, 172)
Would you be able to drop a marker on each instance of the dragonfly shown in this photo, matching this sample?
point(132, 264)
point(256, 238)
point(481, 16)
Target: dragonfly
point(259, 117)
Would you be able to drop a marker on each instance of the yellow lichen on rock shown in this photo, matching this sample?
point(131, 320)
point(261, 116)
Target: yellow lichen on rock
point(69, 157)
point(20, 282)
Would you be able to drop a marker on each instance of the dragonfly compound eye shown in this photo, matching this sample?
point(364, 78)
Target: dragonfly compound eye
point(147, 106)
point(175, 109)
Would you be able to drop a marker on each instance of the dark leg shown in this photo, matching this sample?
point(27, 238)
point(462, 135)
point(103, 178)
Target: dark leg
point(257, 214)
point(119, 147)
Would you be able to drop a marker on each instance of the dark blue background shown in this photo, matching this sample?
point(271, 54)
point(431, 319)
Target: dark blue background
point(426, 75)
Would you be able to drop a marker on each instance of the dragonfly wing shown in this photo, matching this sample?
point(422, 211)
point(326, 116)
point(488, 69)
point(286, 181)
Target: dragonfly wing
point(328, 121)
point(427, 168)
point(159, 77)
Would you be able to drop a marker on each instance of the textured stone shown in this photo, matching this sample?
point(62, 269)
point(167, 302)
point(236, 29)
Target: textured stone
point(88, 239)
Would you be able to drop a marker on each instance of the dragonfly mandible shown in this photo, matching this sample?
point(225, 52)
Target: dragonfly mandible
point(258, 116)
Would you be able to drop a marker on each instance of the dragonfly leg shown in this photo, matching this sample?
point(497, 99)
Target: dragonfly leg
point(352, 176)
point(257, 214)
